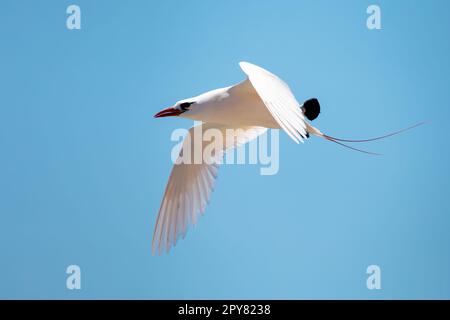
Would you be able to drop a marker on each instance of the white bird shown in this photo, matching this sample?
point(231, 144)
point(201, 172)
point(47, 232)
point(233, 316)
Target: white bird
point(261, 101)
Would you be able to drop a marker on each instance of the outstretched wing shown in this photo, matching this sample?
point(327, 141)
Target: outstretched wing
point(191, 183)
point(279, 100)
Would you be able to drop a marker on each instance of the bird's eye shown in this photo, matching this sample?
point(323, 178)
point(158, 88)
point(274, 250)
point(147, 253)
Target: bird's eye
point(185, 105)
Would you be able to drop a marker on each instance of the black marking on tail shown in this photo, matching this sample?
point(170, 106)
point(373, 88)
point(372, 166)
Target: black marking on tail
point(311, 108)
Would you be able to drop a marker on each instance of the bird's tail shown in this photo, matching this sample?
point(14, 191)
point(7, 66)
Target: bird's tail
point(340, 141)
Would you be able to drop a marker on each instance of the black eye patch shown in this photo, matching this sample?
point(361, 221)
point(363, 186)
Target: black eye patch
point(185, 105)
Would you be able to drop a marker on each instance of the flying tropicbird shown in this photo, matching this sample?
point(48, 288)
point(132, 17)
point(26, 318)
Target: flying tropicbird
point(261, 101)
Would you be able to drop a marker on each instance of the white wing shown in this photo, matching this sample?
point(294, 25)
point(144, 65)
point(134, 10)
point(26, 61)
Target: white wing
point(190, 185)
point(279, 100)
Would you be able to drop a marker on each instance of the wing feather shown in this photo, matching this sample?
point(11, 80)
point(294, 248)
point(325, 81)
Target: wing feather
point(189, 189)
point(278, 99)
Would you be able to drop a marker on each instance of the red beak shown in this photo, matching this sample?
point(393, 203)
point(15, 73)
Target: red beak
point(168, 112)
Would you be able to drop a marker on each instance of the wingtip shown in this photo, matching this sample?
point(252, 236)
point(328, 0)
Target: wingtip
point(245, 65)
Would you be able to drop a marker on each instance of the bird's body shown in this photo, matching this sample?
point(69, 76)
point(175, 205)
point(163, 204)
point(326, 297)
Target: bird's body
point(222, 105)
point(250, 107)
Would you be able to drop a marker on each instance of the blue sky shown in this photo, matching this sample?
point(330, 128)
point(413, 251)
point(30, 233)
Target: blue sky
point(84, 164)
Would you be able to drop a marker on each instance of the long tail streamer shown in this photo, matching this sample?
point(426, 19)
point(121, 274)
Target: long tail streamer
point(339, 140)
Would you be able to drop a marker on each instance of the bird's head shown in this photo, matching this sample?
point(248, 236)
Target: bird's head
point(179, 108)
